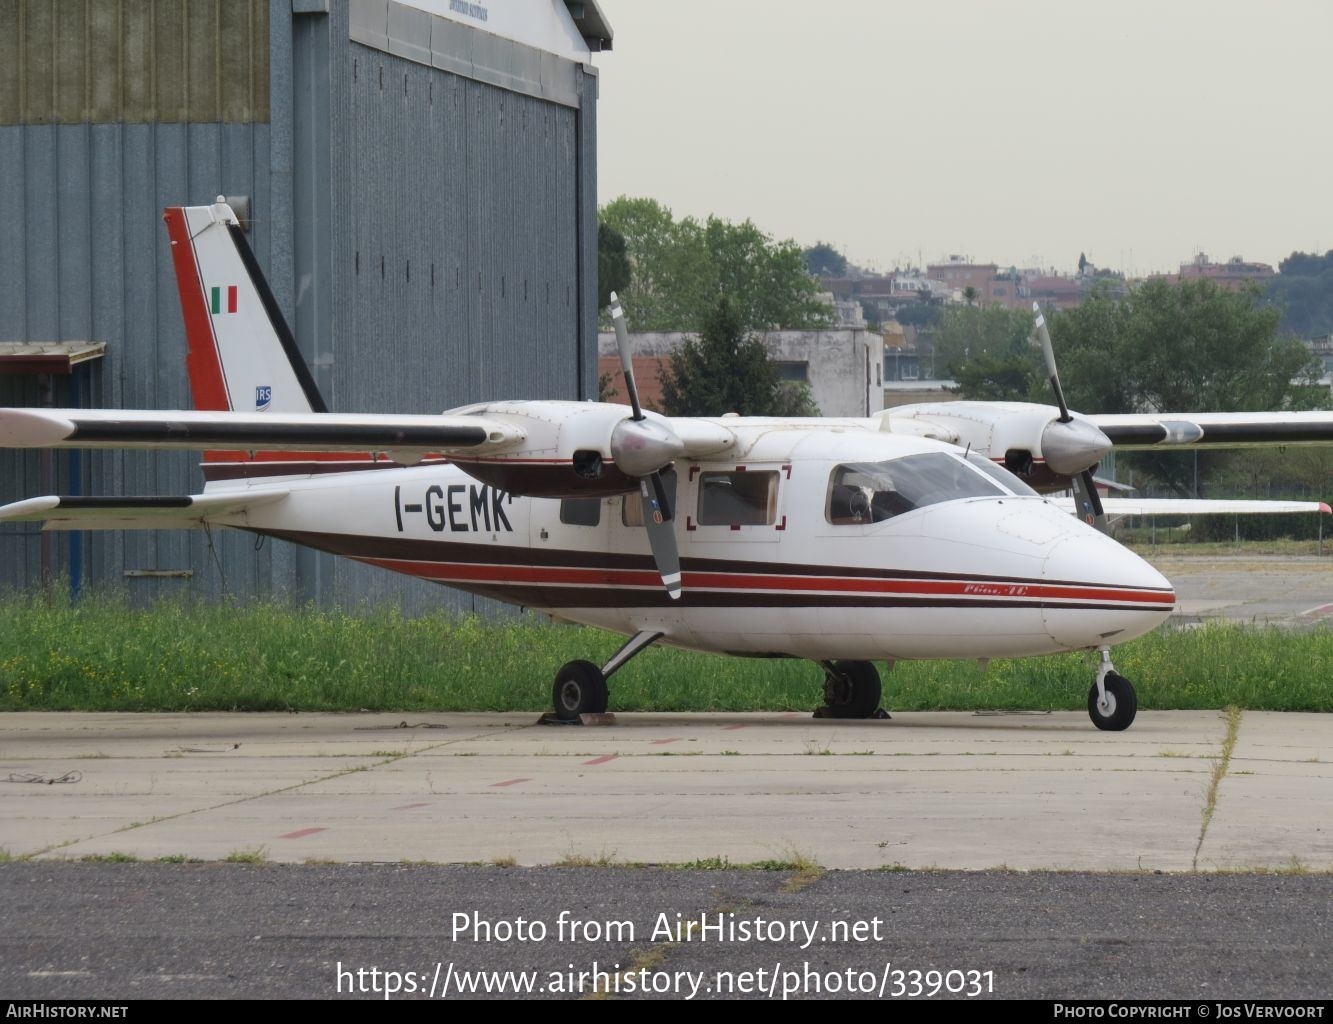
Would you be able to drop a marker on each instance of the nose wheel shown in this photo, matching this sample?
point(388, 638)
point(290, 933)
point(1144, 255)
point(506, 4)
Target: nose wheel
point(580, 686)
point(1112, 702)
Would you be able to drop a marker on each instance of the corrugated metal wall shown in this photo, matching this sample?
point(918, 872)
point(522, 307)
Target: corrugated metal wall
point(94, 141)
point(451, 225)
point(105, 61)
point(455, 251)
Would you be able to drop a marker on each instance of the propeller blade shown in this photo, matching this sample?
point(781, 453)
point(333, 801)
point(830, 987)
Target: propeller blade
point(1044, 336)
point(660, 494)
point(637, 448)
point(1089, 502)
point(661, 532)
point(626, 364)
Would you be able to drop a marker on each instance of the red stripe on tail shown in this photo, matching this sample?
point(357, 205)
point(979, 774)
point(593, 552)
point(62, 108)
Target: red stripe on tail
point(207, 385)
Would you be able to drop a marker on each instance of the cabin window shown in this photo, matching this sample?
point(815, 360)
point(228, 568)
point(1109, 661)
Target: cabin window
point(581, 511)
point(631, 506)
point(742, 498)
point(871, 492)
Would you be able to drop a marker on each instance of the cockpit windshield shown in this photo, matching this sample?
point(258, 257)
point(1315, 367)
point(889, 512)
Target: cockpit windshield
point(870, 492)
point(1001, 475)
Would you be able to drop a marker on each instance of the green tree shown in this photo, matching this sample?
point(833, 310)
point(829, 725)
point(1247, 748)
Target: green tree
point(664, 266)
point(613, 269)
point(793, 398)
point(919, 314)
point(725, 369)
point(1303, 291)
point(822, 259)
point(987, 350)
point(1180, 347)
point(1002, 378)
point(680, 269)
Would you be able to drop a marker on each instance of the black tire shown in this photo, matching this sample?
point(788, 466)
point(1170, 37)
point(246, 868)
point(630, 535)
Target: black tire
point(1123, 704)
point(851, 690)
point(580, 689)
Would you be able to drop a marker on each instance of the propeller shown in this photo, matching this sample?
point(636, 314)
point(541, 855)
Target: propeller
point(642, 448)
point(1072, 446)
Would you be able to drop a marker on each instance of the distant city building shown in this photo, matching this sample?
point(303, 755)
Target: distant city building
point(1322, 350)
point(989, 285)
point(848, 312)
point(1054, 291)
point(1233, 275)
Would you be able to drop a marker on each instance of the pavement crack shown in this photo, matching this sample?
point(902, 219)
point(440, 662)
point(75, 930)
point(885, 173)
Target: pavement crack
point(1220, 768)
point(378, 763)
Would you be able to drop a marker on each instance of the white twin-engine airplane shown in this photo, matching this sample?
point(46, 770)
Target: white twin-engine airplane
point(910, 534)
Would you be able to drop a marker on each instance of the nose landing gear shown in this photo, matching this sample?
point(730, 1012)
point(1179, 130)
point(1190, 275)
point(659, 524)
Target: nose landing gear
point(1112, 702)
point(580, 686)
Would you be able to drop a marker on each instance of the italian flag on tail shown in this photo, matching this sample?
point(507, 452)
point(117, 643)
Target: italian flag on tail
point(217, 299)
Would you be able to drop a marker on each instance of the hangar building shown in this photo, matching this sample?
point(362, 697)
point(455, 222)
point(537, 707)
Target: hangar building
point(420, 179)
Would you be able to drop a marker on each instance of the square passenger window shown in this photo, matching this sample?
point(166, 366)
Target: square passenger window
point(742, 498)
point(581, 511)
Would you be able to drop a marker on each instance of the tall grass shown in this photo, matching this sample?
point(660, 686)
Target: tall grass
point(105, 655)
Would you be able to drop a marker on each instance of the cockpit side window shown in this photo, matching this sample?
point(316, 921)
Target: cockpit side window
point(871, 492)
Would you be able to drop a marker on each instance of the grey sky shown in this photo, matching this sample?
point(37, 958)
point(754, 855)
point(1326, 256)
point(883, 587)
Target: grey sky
point(1019, 132)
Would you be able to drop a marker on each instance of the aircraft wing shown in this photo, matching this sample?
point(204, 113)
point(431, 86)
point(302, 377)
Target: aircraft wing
point(1195, 506)
point(186, 511)
point(333, 432)
point(1156, 431)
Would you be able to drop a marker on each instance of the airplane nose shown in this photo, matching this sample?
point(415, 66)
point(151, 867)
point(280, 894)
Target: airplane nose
point(1098, 592)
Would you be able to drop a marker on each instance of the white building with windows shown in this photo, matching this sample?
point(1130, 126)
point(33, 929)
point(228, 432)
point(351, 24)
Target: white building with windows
point(844, 367)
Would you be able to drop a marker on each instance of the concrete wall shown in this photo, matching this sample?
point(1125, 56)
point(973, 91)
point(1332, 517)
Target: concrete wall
point(845, 366)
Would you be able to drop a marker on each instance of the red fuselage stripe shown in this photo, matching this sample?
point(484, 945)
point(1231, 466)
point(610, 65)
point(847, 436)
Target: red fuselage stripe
point(773, 583)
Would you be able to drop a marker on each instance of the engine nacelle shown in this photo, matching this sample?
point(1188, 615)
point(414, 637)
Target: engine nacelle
point(583, 449)
point(1029, 439)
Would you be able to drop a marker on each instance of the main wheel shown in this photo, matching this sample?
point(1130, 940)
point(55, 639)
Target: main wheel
point(580, 689)
point(851, 689)
point(1122, 704)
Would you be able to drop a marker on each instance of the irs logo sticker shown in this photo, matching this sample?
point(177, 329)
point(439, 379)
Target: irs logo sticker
point(263, 397)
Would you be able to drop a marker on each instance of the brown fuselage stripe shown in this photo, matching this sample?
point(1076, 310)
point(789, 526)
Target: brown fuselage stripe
point(576, 579)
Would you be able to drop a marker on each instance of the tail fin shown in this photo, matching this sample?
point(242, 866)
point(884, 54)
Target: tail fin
point(242, 355)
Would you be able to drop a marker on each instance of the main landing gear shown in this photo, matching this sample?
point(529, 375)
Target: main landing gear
point(1112, 702)
point(851, 690)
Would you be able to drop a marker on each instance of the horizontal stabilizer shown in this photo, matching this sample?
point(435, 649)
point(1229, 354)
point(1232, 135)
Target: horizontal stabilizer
point(410, 437)
point(168, 512)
